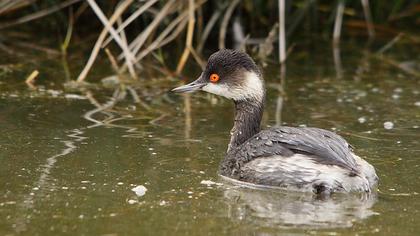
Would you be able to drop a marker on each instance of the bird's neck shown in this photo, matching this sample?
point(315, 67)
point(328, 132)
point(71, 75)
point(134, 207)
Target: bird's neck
point(248, 115)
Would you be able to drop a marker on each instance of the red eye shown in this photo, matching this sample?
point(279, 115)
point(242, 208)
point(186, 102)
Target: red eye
point(214, 78)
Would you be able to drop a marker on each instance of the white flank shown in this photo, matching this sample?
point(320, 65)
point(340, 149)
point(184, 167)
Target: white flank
point(312, 172)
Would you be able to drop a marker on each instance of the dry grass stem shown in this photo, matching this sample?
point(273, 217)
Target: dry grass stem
point(198, 58)
point(8, 50)
point(137, 43)
point(390, 43)
point(80, 10)
point(131, 18)
point(127, 53)
point(120, 9)
point(239, 38)
point(114, 63)
point(129, 63)
point(402, 67)
point(368, 17)
point(39, 14)
point(200, 22)
point(209, 26)
point(181, 26)
point(225, 23)
point(7, 6)
point(36, 47)
point(282, 94)
point(297, 19)
point(266, 48)
point(190, 34)
point(69, 33)
point(179, 21)
point(282, 34)
point(179, 29)
point(30, 80)
point(338, 22)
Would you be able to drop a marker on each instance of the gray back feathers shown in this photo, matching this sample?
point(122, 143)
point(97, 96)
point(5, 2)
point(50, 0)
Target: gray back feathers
point(324, 147)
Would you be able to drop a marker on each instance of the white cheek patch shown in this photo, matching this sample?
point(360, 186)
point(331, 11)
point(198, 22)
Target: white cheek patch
point(251, 88)
point(218, 89)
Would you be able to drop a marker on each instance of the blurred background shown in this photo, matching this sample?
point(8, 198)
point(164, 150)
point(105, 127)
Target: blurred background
point(170, 34)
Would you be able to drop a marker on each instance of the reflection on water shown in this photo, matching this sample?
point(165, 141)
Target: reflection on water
point(274, 208)
point(45, 184)
point(111, 117)
point(337, 62)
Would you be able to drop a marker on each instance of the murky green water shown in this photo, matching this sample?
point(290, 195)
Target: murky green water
point(68, 164)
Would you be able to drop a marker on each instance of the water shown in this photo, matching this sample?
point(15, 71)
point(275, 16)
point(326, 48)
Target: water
point(69, 164)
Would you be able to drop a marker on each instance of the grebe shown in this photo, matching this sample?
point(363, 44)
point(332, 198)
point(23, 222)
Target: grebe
point(303, 159)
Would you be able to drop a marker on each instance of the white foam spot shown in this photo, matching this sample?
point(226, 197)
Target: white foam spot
point(162, 203)
point(398, 90)
point(139, 190)
point(362, 120)
point(388, 125)
point(209, 183)
point(395, 96)
point(74, 96)
point(132, 201)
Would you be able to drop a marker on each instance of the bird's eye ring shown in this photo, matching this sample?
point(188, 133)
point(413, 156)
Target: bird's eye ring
point(214, 78)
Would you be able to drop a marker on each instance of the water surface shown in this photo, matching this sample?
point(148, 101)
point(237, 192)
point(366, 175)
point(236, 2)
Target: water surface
point(70, 159)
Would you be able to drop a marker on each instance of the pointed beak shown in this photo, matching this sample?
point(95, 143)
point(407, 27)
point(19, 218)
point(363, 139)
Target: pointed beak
point(191, 87)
